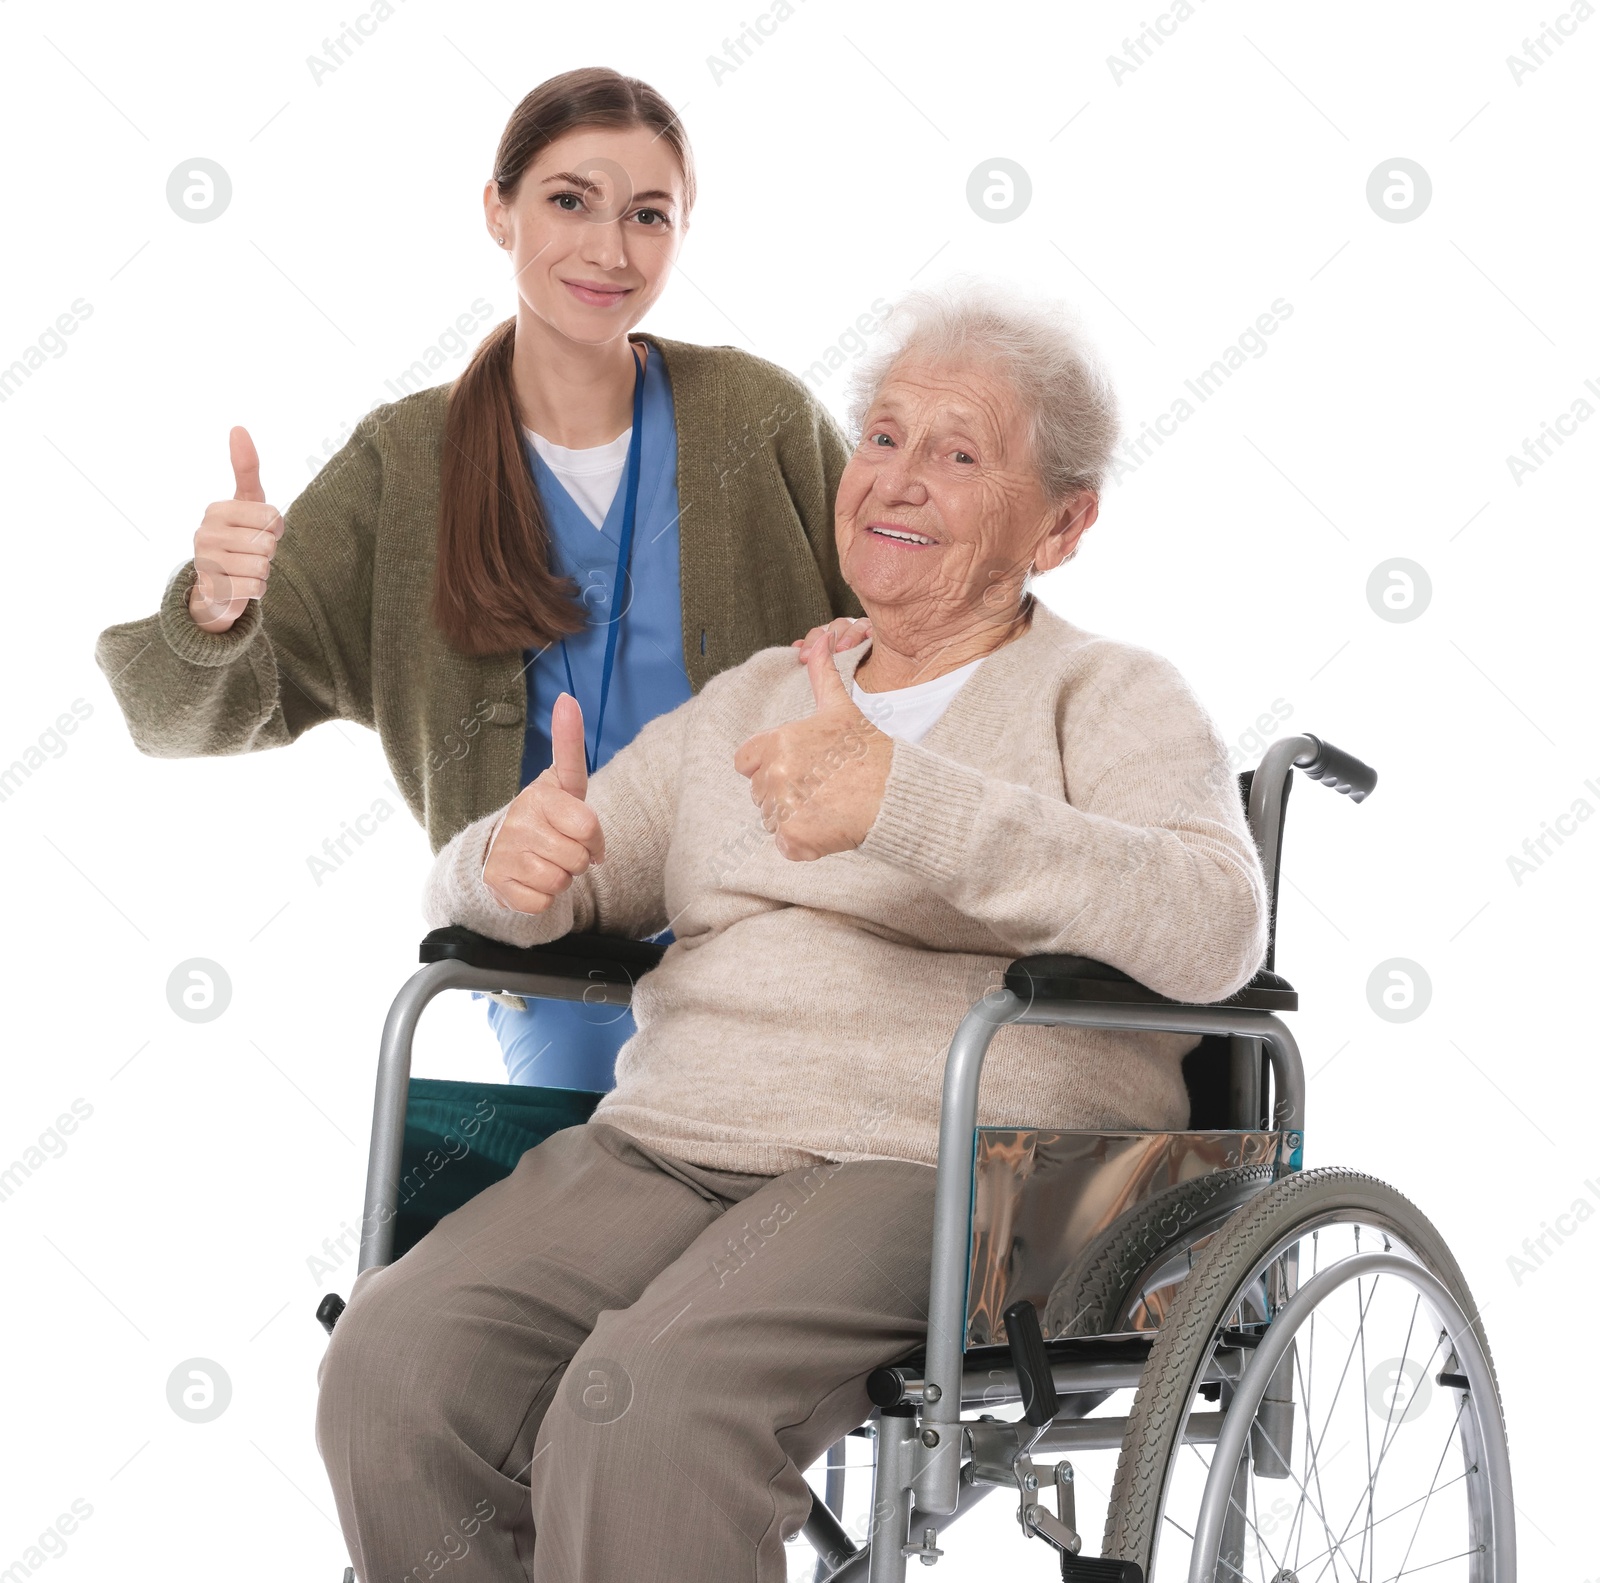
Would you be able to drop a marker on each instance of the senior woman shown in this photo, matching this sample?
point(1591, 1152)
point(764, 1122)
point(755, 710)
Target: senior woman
point(617, 1362)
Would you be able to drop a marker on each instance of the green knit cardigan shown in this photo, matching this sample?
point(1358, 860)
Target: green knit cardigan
point(343, 630)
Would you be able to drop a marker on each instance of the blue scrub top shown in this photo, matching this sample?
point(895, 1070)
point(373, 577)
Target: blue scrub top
point(564, 1044)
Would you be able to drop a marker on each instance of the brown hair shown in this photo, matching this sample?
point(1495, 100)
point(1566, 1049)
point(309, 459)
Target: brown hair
point(493, 589)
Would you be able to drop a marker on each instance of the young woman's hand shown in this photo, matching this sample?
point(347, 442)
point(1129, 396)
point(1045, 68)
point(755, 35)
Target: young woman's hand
point(843, 632)
point(235, 543)
point(549, 835)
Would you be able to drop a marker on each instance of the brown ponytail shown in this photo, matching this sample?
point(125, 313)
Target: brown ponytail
point(493, 589)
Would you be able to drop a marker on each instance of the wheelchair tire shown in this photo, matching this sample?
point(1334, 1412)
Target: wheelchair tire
point(1231, 1280)
point(1114, 1272)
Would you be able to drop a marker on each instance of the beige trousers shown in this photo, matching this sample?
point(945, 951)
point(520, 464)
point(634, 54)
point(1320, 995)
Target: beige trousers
point(614, 1367)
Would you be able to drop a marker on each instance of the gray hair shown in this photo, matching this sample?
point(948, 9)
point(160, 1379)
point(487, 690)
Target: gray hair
point(1062, 385)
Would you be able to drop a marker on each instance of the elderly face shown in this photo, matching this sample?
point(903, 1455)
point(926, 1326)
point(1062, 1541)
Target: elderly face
point(940, 510)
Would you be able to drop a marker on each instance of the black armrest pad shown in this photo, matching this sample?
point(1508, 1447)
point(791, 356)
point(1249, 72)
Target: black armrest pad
point(1079, 978)
point(608, 958)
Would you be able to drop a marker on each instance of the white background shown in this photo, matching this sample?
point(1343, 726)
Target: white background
point(1172, 208)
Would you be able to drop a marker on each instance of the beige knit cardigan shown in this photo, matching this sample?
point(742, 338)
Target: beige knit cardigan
point(1075, 797)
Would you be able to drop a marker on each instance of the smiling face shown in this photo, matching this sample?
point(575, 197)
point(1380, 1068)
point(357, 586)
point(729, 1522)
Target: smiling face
point(940, 513)
point(593, 229)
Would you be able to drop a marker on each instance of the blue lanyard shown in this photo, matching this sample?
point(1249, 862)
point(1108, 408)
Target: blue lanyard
point(630, 505)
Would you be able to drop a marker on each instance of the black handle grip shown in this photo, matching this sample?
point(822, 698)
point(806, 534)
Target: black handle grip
point(1028, 1358)
point(1340, 770)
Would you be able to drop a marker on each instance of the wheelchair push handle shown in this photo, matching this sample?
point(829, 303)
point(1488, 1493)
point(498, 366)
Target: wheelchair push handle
point(1334, 767)
point(1028, 1358)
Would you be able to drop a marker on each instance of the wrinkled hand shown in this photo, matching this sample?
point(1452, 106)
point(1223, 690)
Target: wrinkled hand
point(549, 835)
point(819, 781)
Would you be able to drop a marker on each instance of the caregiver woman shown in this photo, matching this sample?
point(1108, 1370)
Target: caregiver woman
point(578, 512)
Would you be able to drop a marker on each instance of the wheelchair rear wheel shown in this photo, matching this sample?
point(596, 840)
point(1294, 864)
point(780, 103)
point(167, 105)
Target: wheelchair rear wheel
point(1363, 1435)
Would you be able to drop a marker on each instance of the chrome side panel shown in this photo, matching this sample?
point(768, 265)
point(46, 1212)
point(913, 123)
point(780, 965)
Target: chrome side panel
point(1041, 1200)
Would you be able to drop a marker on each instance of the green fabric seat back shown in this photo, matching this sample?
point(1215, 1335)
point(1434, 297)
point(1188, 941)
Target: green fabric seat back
point(463, 1137)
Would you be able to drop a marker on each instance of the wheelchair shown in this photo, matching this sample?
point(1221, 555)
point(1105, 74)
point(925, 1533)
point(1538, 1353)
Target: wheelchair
point(1312, 1393)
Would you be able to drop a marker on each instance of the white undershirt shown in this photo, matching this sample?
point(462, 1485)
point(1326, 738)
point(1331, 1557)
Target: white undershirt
point(909, 713)
point(590, 475)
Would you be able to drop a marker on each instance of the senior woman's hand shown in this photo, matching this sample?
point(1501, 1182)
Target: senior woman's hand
point(549, 835)
point(819, 781)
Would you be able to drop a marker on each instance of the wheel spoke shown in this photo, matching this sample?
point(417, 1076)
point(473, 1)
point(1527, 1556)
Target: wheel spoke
point(1255, 1527)
point(1459, 1555)
point(1386, 1439)
point(1306, 1500)
point(1314, 1453)
point(1433, 1483)
point(1169, 1518)
point(1345, 1371)
point(1394, 1395)
point(1223, 1561)
point(1373, 1479)
point(1339, 1544)
point(1388, 1443)
point(1366, 1417)
point(1311, 1461)
point(1305, 1392)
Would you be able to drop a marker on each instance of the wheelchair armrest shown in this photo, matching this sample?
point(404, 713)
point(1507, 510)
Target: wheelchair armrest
point(591, 968)
point(1044, 978)
point(587, 958)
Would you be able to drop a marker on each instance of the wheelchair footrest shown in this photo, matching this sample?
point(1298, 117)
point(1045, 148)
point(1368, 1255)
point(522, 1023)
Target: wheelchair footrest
point(1100, 1569)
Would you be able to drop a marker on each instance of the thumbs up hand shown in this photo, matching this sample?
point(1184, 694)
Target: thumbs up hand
point(235, 543)
point(819, 781)
point(549, 835)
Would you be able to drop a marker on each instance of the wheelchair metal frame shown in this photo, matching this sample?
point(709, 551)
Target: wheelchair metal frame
point(920, 1440)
